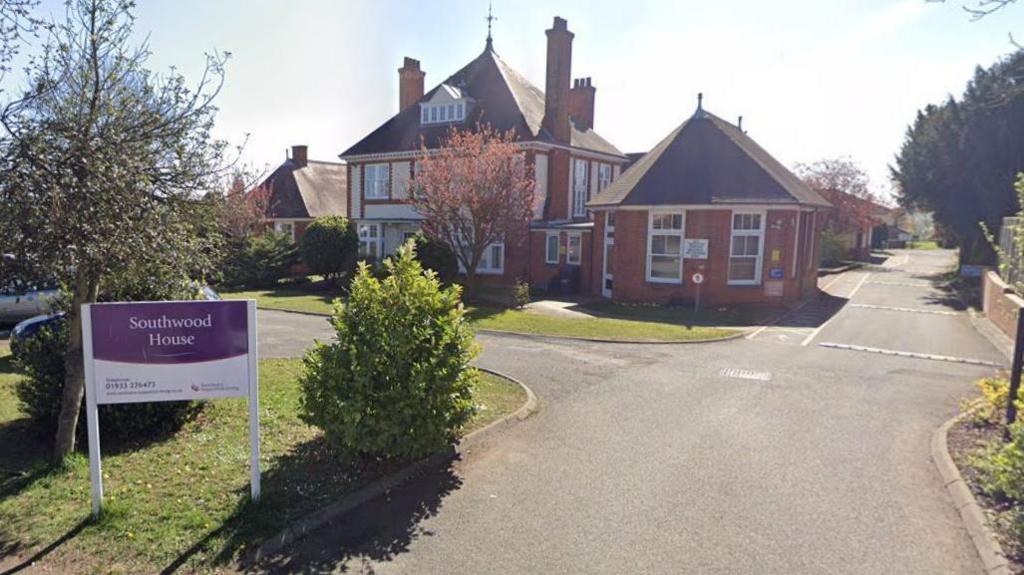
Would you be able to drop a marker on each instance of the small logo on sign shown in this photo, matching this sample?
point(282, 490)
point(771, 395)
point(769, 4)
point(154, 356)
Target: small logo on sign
point(195, 387)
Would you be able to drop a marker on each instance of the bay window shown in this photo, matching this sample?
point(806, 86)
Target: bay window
point(370, 239)
point(574, 249)
point(665, 248)
point(746, 248)
point(378, 181)
point(551, 248)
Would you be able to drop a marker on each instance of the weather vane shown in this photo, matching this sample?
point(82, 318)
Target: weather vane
point(490, 18)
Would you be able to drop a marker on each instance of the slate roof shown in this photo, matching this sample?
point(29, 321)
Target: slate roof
point(502, 98)
point(314, 190)
point(707, 160)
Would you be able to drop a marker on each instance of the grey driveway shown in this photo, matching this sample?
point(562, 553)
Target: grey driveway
point(771, 454)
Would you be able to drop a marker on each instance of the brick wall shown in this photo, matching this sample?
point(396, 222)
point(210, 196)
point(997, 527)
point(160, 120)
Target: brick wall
point(541, 273)
point(1000, 304)
point(558, 185)
point(630, 281)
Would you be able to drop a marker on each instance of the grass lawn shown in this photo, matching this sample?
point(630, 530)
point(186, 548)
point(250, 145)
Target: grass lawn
point(496, 318)
point(923, 245)
point(288, 299)
point(183, 502)
point(685, 315)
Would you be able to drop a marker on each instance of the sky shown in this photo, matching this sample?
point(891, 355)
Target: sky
point(811, 79)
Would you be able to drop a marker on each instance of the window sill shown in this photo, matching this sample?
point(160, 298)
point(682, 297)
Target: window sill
point(656, 281)
point(744, 284)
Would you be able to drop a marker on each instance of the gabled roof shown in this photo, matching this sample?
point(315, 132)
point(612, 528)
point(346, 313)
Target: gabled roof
point(707, 160)
point(501, 97)
point(314, 190)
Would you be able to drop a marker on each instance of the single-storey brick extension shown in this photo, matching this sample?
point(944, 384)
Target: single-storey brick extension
point(633, 228)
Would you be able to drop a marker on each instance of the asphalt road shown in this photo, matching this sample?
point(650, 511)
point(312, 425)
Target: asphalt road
point(772, 454)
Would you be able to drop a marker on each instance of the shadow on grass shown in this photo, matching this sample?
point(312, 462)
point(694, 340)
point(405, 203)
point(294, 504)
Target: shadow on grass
point(306, 479)
point(40, 554)
point(682, 315)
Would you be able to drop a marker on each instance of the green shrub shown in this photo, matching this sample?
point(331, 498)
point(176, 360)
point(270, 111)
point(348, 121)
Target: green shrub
point(398, 381)
point(991, 406)
point(438, 256)
point(330, 247)
point(832, 249)
point(259, 261)
point(1001, 466)
point(41, 359)
point(520, 294)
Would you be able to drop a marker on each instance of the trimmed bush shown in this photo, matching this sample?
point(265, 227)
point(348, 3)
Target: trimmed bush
point(329, 247)
point(398, 381)
point(832, 249)
point(438, 256)
point(260, 261)
point(520, 294)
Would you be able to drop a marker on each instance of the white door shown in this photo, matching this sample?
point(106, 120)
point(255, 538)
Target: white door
point(606, 280)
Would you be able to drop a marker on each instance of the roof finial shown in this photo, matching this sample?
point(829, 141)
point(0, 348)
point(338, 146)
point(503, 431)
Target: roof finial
point(490, 18)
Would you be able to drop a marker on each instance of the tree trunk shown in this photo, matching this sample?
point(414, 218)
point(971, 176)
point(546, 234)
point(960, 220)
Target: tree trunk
point(74, 371)
point(469, 293)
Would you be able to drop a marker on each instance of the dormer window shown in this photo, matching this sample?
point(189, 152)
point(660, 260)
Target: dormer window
point(447, 104)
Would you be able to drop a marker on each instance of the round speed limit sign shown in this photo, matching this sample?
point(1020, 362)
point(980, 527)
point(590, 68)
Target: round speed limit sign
point(698, 278)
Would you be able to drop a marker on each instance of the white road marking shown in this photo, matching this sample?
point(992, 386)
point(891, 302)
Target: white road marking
point(902, 284)
point(810, 337)
point(758, 331)
point(911, 354)
point(892, 262)
point(905, 309)
point(737, 373)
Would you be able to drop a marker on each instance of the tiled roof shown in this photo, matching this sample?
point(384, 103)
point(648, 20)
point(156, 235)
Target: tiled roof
point(314, 190)
point(707, 160)
point(502, 98)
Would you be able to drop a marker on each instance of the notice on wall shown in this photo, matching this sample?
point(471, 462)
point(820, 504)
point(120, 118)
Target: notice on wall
point(776, 273)
point(695, 249)
point(169, 351)
point(773, 288)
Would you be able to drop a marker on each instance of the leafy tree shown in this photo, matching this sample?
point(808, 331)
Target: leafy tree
point(398, 381)
point(474, 191)
point(260, 260)
point(844, 184)
point(330, 247)
point(102, 166)
point(959, 158)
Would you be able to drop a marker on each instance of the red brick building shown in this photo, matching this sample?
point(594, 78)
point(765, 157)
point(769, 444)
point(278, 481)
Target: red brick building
point(555, 128)
point(301, 190)
point(707, 200)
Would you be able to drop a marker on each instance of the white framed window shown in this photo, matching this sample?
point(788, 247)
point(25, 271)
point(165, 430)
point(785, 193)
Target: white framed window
point(424, 115)
point(378, 181)
point(441, 113)
point(574, 249)
point(493, 259)
point(665, 247)
point(370, 241)
point(286, 228)
point(746, 248)
point(604, 176)
point(551, 248)
point(580, 188)
point(460, 111)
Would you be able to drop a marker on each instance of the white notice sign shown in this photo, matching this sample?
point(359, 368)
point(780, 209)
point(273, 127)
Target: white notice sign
point(695, 249)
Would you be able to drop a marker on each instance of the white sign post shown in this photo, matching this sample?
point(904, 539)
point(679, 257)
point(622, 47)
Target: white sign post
point(698, 278)
point(139, 352)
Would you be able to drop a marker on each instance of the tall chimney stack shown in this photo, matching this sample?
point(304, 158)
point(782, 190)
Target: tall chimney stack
point(410, 83)
point(581, 103)
point(556, 86)
point(300, 155)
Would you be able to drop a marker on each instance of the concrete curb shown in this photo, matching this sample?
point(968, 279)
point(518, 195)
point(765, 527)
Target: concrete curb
point(971, 513)
point(350, 502)
point(822, 272)
point(998, 339)
point(312, 313)
point(737, 335)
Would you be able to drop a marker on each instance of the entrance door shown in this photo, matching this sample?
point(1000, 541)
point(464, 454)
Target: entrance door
point(606, 281)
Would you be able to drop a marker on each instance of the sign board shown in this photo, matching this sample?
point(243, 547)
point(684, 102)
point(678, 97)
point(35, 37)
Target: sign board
point(169, 351)
point(776, 273)
point(972, 271)
point(698, 278)
point(695, 249)
point(773, 288)
point(776, 255)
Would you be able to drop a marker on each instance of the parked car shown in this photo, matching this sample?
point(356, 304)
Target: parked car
point(19, 301)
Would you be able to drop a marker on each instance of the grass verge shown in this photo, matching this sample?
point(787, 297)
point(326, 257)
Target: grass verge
point(182, 503)
point(288, 299)
point(495, 318)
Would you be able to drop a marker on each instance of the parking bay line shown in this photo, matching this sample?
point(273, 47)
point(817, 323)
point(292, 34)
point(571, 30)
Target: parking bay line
point(904, 309)
point(910, 354)
point(810, 337)
point(758, 331)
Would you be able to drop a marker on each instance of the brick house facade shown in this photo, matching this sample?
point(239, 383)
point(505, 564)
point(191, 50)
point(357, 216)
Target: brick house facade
point(707, 200)
point(570, 161)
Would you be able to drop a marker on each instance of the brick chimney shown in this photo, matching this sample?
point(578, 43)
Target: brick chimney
point(300, 156)
point(410, 83)
point(581, 103)
point(556, 85)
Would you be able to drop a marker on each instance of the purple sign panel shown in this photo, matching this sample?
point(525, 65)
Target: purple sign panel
point(167, 351)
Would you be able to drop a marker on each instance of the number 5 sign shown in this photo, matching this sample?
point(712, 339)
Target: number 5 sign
point(168, 351)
